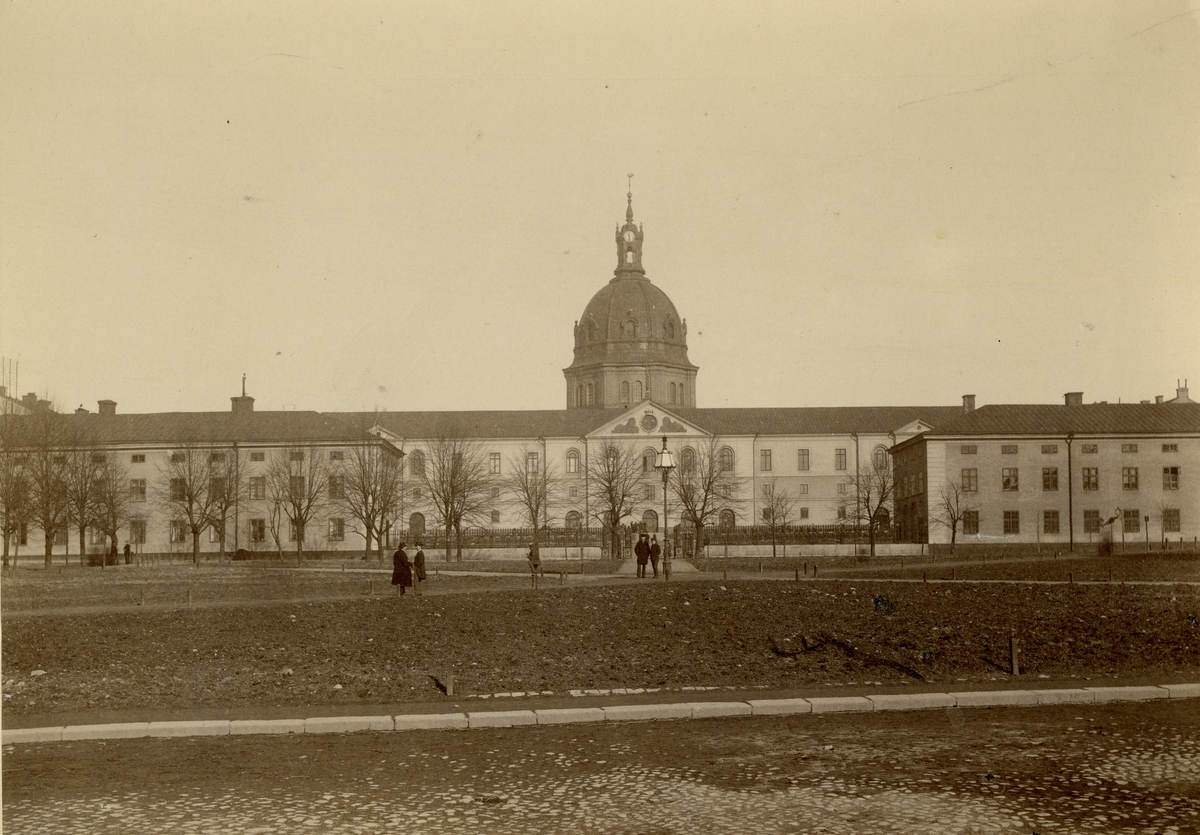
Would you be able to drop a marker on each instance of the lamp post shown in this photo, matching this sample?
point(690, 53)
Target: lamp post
point(666, 463)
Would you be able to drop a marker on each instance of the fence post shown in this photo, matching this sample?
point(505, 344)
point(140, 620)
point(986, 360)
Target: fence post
point(1012, 648)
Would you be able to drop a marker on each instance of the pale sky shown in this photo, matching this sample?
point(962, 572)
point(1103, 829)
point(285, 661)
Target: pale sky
point(407, 205)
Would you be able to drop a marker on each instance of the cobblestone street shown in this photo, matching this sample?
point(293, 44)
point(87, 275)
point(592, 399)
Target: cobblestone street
point(1119, 768)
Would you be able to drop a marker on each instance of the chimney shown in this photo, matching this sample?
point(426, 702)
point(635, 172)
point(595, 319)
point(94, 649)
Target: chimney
point(81, 410)
point(968, 403)
point(106, 407)
point(1158, 399)
point(1181, 392)
point(243, 405)
point(30, 400)
point(1074, 398)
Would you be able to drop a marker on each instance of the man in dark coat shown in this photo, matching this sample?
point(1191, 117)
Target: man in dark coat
point(655, 552)
point(401, 570)
point(419, 567)
point(642, 552)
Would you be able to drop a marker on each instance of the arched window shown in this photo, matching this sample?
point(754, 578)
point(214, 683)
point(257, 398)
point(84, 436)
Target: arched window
point(591, 330)
point(416, 525)
point(687, 461)
point(881, 458)
point(650, 521)
point(726, 520)
point(591, 395)
point(580, 397)
point(629, 256)
point(416, 462)
point(669, 329)
point(572, 461)
point(726, 459)
point(629, 329)
point(671, 394)
point(649, 458)
point(574, 521)
point(624, 391)
point(637, 391)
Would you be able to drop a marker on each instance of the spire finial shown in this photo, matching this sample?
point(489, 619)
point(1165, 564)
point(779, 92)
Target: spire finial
point(629, 198)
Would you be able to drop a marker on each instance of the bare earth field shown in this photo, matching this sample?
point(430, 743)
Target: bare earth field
point(627, 634)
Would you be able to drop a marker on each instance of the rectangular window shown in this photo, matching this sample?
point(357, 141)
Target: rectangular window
point(767, 491)
point(1091, 521)
point(337, 487)
point(804, 513)
point(495, 492)
point(839, 459)
point(1170, 520)
point(258, 530)
point(764, 460)
point(1170, 447)
point(572, 463)
point(1008, 449)
point(296, 485)
point(23, 534)
point(1049, 521)
point(216, 458)
point(531, 462)
point(178, 490)
point(1170, 478)
point(1012, 522)
point(95, 536)
point(296, 455)
point(968, 449)
point(801, 489)
point(841, 488)
point(177, 457)
point(137, 531)
point(1132, 520)
point(495, 516)
point(137, 458)
point(970, 520)
point(802, 459)
point(1089, 449)
point(60, 536)
point(841, 513)
point(416, 493)
point(970, 480)
point(573, 492)
point(216, 489)
point(258, 487)
point(337, 530)
point(1049, 478)
point(1128, 447)
point(295, 532)
point(650, 493)
point(1049, 449)
point(258, 456)
point(179, 531)
point(214, 535)
point(1129, 478)
point(137, 489)
point(1091, 478)
point(494, 463)
point(1008, 479)
point(336, 455)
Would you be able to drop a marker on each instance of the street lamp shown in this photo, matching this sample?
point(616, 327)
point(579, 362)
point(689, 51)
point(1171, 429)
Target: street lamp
point(666, 463)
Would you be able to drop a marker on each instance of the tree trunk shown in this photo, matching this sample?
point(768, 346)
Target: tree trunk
point(367, 550)
point(195, 547)
point(449, 528)
point(82, 551)
point(49, 548)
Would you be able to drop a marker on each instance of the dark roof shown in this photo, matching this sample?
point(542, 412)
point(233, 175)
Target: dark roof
point(210, 427)
point(546, 423)
point(827, 420)
point(1094, 419)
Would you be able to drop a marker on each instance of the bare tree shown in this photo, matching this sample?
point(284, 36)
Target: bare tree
point(276, 491)
point(777, 511)
point(184, 491)
point(456, 475)
point(226, 487)
point(704, 485)
point(111, 507)
point(368, 485)
point(953, 504)
point(82, 466)
point(531, 485)
point(299, 477)
point(870, 497)
point(614, 476)
point(45, 467)
point(14, 484)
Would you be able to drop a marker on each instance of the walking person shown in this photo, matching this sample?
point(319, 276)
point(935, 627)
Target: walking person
point(535, 564)
point(402, 576)
point(128, 558)
point(655, 552)
point(419, 567)
point(642, 552)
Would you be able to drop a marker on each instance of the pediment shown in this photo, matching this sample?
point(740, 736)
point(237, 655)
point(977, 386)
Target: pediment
point(648, 419)
point(916, 427)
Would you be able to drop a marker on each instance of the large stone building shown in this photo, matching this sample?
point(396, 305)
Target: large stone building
point(630, 384)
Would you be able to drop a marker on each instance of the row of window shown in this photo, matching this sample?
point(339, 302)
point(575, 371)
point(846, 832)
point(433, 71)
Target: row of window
point(1090, 478)
point(1131, 520)
point(1052, 449)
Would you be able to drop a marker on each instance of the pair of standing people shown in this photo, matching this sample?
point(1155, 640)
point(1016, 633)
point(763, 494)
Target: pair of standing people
point(404, 571)
point(647, 550)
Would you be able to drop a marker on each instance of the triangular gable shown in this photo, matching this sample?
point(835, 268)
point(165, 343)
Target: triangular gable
point(916, 427)
point(647, 420)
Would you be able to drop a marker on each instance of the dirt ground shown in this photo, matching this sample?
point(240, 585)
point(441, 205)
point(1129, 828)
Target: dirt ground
point(702, 633)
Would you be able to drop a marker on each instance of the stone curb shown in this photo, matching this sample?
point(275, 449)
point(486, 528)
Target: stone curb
point(614, 713)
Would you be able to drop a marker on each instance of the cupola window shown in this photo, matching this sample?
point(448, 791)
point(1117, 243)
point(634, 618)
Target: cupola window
point(629, 256)
point(637, 390)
